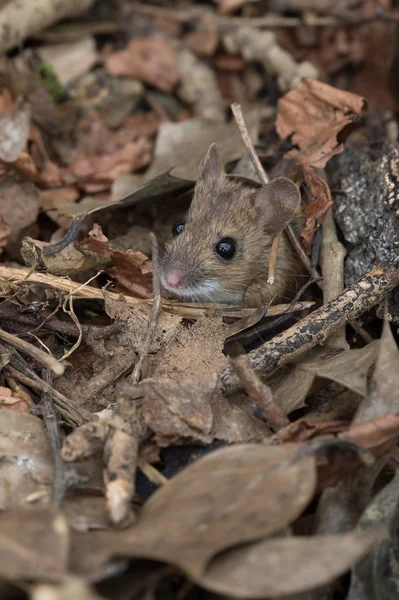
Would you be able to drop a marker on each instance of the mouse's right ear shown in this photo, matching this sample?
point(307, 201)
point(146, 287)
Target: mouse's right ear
point(211, 166)
point(277, 203)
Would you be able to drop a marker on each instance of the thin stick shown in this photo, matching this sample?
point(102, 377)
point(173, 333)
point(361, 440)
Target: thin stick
point(314, 329)
point(46, 360)
point(273, 258)
point(237, 112)
point(54, 437)
point(156, 307)
point(72, 415)
point(260, 393)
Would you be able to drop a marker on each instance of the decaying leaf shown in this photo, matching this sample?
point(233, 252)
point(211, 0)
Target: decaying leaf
point(5, 231)
point(272, 568)
point(228, 497)
point(319, 117)
point(25, 539)
point(350, 368)
point(151, 60)
point(383, 394)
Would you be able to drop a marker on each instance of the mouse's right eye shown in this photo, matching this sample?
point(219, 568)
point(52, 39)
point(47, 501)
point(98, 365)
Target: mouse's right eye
point(178, 228)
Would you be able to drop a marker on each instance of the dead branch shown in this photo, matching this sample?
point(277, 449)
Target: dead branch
point(72, 415)
point(10, 276)
point(20, 19)
point(156, 307)
point(48, 361)
point(316, 327)
point(260, 393)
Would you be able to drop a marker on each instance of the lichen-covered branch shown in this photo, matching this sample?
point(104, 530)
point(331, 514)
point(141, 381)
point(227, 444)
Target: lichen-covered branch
point(316, 327)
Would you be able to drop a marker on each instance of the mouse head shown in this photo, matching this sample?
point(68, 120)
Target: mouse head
point(225, 240)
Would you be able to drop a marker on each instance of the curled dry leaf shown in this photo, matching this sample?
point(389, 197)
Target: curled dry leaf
point(25, 539)
point(14, 131)
point(273, 568)
point(318, 117)
point(321, 200)
point(131, 269)
point(228, 497)
point(151, 60)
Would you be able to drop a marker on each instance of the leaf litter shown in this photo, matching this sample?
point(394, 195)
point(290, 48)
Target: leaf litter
point(132, 427)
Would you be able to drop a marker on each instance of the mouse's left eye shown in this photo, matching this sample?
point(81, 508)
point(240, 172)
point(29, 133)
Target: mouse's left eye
point(178, 228)
point(226, 248)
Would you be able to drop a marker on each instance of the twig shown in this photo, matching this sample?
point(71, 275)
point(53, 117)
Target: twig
point(303, 256)
point(156, 307)
point(54, 436)
point(319, 325)
point(237, 112)
point(48, 361)
point(71, 415)
point(260, 392)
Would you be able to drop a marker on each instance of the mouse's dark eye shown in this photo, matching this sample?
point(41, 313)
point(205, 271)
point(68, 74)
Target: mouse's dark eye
point(226, 248)
point(178, 228)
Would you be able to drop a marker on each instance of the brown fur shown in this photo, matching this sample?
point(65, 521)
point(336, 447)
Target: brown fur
point(221, 208)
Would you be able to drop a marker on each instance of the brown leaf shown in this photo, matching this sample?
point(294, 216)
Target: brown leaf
point(18, 401)
point(376, 434)
point(56, 198)
point(70, 60)
point(151, 60)
point(349, 368)
point(131, 269)
point(321, 200)
point(319, 118)
point(273, 568)
point(383, 394)
point(14, 131)
point(34, 544)
point(228, 497)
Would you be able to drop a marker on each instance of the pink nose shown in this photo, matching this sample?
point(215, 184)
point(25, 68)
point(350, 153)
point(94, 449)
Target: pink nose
point(174, 278)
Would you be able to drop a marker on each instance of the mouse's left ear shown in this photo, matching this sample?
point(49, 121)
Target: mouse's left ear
point(277, 203)
point(211, 166)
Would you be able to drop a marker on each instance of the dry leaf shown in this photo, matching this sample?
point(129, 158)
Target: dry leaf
point(228, 497)
point(383, 394)
point(34, 544)
point(18, 401)
point(151, 60)
point(273, 568)
point(14, 131)
point(350, 368)
point(319, 118)
point(321, 200)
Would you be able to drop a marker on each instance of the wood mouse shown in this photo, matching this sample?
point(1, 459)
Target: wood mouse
point(221, 251)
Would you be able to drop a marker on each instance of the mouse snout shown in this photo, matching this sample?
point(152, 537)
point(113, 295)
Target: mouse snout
point(174, 278)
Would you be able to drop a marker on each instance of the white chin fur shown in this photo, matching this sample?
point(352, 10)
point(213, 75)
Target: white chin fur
point(209, 291)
